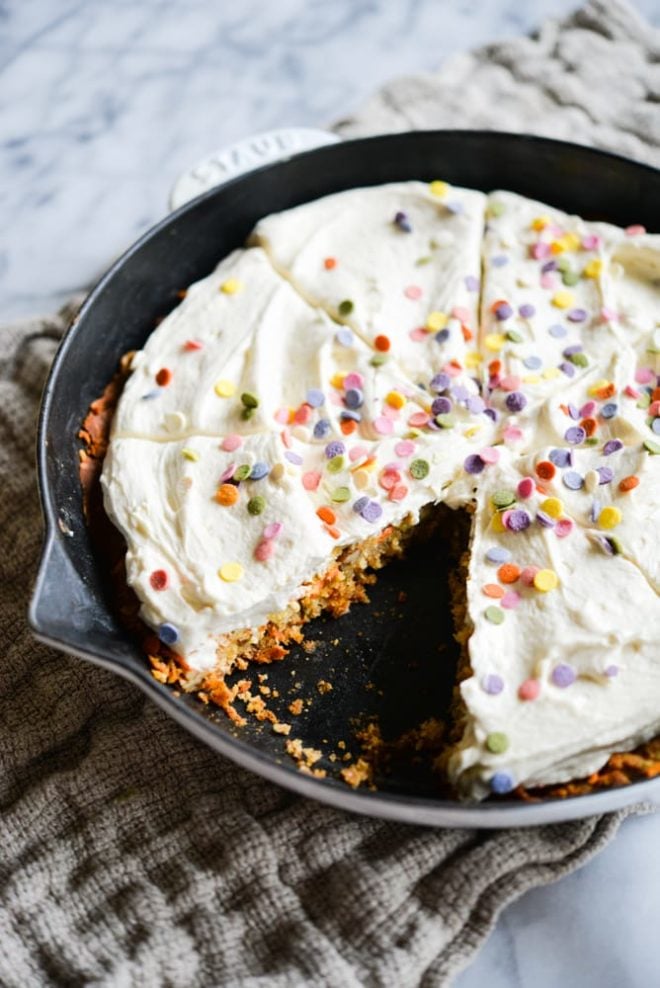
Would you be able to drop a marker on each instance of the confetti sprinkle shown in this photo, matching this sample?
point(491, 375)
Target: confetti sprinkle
point(563, 675)
point(501, 783)
point(168, 634)
point(498, 554)
point(159, 580)
point(546, 580)
point(227, 494)
point(230, 572)
point(419, 469)
point(610, 517)
point(224, 389)
point(256, 505)
point(492, 684)
point(231, 286)
point(497, 742)
point(529, 689)
point(494, 614)
point(163, 377)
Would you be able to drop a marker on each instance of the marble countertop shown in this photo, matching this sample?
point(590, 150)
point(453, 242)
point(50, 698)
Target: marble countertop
point(104, 103)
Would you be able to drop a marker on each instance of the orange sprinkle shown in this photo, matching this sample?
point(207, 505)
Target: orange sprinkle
point(348, 426)
point(330, 263)
point(628, 483)
point(467, 332)
point(382, 343)
point(226, 494)
point(163, 377)
point(326, 514)
point(589, 426)
point(606, 392)
point(495, 366)
point(508, 573)
point(655, 394)
point(492, 590)
point(545, 470)
point(332, 531)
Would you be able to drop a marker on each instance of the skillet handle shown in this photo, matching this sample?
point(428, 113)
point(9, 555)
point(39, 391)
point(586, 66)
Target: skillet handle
point(261, 149)
point(59, 611)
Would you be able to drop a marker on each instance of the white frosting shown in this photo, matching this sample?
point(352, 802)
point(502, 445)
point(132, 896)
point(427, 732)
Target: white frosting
point(348, 437)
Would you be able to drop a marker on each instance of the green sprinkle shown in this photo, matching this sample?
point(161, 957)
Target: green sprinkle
point(335, 464)
point(563, 264)
point(249, 400)
point(256, 504)
point(445, 421)
point(644, 401)
point(590, 441)
point(503, 499)
point(652, 447)
point(190, 454)
point(419, 469)
point(247, 413)
point(570, 278)
point(422, 260)
point(579, 359)
point(615, 545)
point(242, 472)
point(514, 336)
point(345, 308)
point(379, 359)
point(340, 494)
point(496, 208)
point(497, 742)
point(495, 615)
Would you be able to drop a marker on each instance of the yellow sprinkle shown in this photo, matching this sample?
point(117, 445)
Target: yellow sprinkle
point(531, 379)
point(190, 454)
point(540, 222)
point(361, 479)
point(593, 268)
point(550, 373)
point(438, 188)
point(231, 286)
point(610, 517)
point(598, 386)
point(473, 359)
point(276, 473)
point(571, 241)
point(497, 524)
point(472, 431)
point(224, 389)
point(494, 341)
point(557, 246)
point(395, 399)
point(230, 572)
point(337, 380)
point(545, 580)
point(437, 320)
point(562, 300)
point(553, 507)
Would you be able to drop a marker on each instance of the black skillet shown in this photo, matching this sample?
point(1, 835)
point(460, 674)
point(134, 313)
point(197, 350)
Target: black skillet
point(386, 662)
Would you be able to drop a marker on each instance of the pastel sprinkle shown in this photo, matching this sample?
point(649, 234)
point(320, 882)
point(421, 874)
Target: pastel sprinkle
point(494, 614)
point(510, 600)
point(168, 634)
point(501, 783)
point(563, 675)
point(159, 579)
point(492, 684)
point(546, 580)
point(224, 389)
point(311, 480)
point(230, 572)
point(529, 689)
point(256, 505)
point(497, 742)
point(231, 286)
point(264, 550)
point(572, 480)
point(498, 554)
point(273, 529)
point(473, 464)
point(609, 517)
point(231, 443)
point(526, 487)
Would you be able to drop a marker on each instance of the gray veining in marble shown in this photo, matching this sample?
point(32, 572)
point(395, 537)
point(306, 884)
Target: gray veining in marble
point(102, 104)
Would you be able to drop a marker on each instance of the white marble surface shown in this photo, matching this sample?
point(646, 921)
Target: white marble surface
point(102, 104)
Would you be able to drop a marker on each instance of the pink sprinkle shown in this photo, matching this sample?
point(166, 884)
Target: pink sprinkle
point(608, 315)
point(591, 242)
point(273, 530)
point(353, 380)
point(418, 335)
point(404, 448)
point(193, 345)
point(636, 230)
point(494, 381)
point(631, 392)
point(303, 415)
point(563, 528)
point(398, 492)
point(412, 291)
point(528, 574)
point(282, 416)
point(452, 370)
point(505, 518)
point(526, 487)
point(548, 280)
point(529, 690)
point(228, 473)
point(510, 600)
point(587, 410)
point(644, 375)
point(418, 420)
point(264, 550)
point(383, 425)
point(285, 436)
point(489, 454)
point(540, 251)
point(510, 383)
point(357, 453)
point(512, 434)
point(459, 312)
point(390, 412)
point(311, 480)
point(230, 443)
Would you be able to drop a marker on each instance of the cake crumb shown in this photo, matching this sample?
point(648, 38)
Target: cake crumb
point(357, 774)
point(296, 707)
point(281, 728)
point(323, 686)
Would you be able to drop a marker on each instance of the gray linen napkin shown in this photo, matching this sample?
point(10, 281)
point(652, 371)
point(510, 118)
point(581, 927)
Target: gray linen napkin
point(131, 854)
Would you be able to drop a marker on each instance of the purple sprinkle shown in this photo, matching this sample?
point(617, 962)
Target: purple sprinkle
point(347, 415)
point(612, 671)
point(611, 446)
point(561, 458)
point(609, 410)
point(321, 429)
point(473, 463)
point(594, 512)
point(472, 283)
point(655, 426)
point(492, 683)
point(353, 398)
point(360, 505)
point(526, 310)
point(460, 393)
point(499, 260)
point(441, 336)
point(557, 331)
point(567, 369)
point(455, 207)
point(570, 351)
point(563, 675)
point(168, 634)
point(515, 401)
point(401, 220)
point(335, 448)
point(532, 363)
point(545, 520)
point(315, 397)
point(476, 405)
point(440, 382)
point(371, 511)
point(497, 554)
point(293, 457)
point(573, 411)
point(577, 315)
point(549, 266)
point(606, 474)
point(501, 783)
point(441, 406)
point(572, 480)
point(503, 311)
point(491, 413)
point(150, 394)
point(575, 435)
point(518, 520)
point(344, 337)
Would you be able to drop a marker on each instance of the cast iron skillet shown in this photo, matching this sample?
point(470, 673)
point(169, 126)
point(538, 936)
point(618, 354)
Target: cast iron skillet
point(388, 647)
